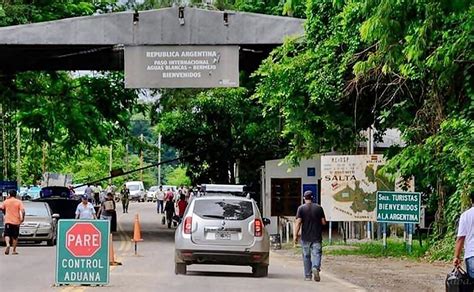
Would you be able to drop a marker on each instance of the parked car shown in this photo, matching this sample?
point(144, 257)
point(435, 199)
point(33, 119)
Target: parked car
point(225, 230)
point(40, 223)
point(60, 201)
point(151, 194)
point(137, 190)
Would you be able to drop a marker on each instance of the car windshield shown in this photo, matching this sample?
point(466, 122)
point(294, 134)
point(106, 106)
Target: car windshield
point(133, 187)
point(152, 189)
point(36, 210)
point(228, 209)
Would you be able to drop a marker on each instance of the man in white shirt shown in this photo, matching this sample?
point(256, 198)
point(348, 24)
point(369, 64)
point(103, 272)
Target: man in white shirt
point(466, 240)
point(160, 197)
point(85, 210)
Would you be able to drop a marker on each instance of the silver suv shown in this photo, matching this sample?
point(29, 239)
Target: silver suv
point(225, 230)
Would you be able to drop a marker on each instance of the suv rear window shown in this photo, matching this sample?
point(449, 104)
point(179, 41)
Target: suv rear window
point(223, 209)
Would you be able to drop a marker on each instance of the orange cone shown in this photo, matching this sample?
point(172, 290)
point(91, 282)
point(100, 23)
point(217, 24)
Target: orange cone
point(137, 235)
point(112, 253)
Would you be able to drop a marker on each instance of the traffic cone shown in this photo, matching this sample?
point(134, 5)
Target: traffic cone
point(137, 235)
point(112, 253)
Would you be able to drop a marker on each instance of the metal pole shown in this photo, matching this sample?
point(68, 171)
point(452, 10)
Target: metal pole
point(287, 231)
point(384, 230)
point(410, 237)
point(141, 158)
point(159, 159)
point(18, 152)
point(330, 233)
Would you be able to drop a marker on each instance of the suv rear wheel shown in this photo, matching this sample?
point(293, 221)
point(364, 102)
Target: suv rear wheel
point(260, 271)
point(180, 269)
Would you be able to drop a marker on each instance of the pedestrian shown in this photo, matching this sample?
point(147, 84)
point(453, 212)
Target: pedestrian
point(97, 189)
point(85, 209)
point(182, 204)
point(107, 210)
point(169, 210)
point(465, 239)
point(310, 219)
point(72, 193)
point(125, 193)
point(88, 192)
point(160, 197)
point(14, 215)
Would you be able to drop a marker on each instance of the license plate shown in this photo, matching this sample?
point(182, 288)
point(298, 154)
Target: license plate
point(222, 235)
point(25, 232)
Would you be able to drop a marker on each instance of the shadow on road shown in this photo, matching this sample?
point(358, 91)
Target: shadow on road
point(220, 274)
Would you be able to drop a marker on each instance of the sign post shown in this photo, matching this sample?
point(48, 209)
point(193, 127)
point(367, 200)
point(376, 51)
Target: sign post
point(82, 252)
point(398, 207)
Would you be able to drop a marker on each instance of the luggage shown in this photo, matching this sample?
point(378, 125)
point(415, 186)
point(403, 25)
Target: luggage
point(458, 281)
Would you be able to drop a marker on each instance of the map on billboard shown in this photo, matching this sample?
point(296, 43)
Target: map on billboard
point(349, 185)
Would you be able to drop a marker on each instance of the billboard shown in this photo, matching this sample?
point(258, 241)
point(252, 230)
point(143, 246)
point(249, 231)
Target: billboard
point(181, 66)
point(349, 184)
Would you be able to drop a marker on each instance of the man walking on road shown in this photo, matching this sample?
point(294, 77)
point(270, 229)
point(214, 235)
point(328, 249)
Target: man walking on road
point(310, 219)
point(465, 239)
point(14, 216)
point(125, 198)
point(160, 197)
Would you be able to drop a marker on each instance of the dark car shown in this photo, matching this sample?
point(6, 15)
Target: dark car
point(60, 201)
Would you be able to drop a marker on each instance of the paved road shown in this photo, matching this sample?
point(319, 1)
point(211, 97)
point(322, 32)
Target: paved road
point(153, 268)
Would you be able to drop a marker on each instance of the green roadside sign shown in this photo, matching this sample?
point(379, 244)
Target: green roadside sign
point(82, 252)
point(398, 207)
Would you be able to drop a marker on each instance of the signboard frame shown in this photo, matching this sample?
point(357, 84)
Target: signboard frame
point(64, 225)
point(377, 210)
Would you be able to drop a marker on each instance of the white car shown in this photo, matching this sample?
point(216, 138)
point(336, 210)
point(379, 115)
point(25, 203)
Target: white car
point(151, 194)
point(137, 190)
point(223, 230)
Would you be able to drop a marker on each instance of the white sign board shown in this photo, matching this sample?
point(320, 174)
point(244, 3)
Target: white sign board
point(181, 66)
point(349, 184)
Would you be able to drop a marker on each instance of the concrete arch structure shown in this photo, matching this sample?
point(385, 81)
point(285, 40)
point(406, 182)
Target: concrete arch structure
point(97, 42)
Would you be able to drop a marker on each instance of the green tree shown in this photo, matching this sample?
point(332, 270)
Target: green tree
point(390, 64)
point(178, 177)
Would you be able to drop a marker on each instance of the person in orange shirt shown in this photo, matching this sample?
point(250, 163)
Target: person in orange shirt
point(14, 216)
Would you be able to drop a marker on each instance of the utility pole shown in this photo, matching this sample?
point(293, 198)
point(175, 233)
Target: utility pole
point(126, 158)
point(44, 157)
point(18, 152)
point(110, 164)
point(4, 144)
point(370, 151)
point(159, 159)
point(141, 158)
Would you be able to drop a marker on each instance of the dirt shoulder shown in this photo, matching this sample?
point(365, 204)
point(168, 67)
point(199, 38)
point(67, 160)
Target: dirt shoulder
point(384, 274)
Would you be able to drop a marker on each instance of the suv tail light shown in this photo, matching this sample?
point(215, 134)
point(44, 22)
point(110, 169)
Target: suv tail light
point(188, 224)
point(258, 227)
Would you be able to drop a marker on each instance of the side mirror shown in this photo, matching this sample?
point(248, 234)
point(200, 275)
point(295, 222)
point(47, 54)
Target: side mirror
point(56, 216)
point(266, 221)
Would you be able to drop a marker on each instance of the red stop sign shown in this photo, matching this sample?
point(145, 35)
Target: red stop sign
point(83, 239)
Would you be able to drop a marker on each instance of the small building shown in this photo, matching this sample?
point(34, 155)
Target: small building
point(283, 186)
